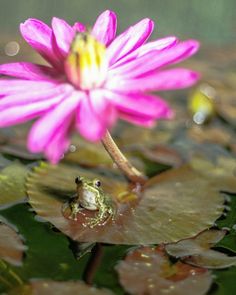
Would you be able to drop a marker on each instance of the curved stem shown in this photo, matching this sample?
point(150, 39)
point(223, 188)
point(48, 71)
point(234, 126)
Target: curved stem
point(93, 264)
point(121, 161)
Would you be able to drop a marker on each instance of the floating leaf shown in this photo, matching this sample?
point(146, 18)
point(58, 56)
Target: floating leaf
point(226, 106)
point(229, 223)
point(48, 254)
point(196, 251)
point(12, 184)
point(148, 271)
point(13, 142)
point(154, 155)
point(212, 259)
point(11, 245)
point(8, 277)
point(204, 241)
point(47, 287)
point(220, 173)
point(170, 208)
point(4, 162)
point(215, 134)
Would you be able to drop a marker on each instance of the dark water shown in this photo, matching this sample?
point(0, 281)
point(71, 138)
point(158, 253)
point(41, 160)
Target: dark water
point(211, 21)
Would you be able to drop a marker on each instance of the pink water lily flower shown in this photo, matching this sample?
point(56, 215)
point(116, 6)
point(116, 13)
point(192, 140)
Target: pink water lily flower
point(93, 78)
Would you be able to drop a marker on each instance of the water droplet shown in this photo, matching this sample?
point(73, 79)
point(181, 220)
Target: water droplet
point(72, 148)
point(193, 272)
point(199, 118)
point(12, 48)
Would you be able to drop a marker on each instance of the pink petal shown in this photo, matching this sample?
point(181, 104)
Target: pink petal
point(63, 34)
point(27, 70)
point(155, 59)
point(165, 80)
point(28, 97)
point(79, 27)
point(159, 44)
point(104, 29)
point(139, 104)
point(39, 36)
point(45, 129)
point(131, 39)
point(14, 86)
point(95, 115)
point(137, 120)
point(57, 146)
point(20, 114)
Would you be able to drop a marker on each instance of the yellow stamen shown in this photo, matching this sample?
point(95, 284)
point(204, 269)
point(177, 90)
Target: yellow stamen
point(86, 64)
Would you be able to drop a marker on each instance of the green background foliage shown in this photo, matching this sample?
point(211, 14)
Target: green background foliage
point(212, 21)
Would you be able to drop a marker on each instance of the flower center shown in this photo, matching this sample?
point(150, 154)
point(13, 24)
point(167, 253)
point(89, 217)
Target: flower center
point(86, 64)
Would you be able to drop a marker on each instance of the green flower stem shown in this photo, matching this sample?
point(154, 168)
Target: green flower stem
point(121, 161)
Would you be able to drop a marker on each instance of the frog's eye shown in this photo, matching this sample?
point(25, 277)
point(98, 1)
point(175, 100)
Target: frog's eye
point(78, 180)
point(97, 182)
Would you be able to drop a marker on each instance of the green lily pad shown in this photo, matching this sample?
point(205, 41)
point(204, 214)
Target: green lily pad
point(214, 133)
point(149, 271)
point(221, 173)
point(196, 251)
point(87, 154)
point(11, 245)
point(168, 209)
point(13, 142)
point(12, 184)
point(228, 222)
point(48, 287)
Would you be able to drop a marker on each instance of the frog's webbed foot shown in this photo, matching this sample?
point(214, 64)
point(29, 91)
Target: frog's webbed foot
point(100, 218)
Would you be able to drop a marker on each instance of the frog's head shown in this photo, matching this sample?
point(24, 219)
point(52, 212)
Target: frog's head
point(83, 183)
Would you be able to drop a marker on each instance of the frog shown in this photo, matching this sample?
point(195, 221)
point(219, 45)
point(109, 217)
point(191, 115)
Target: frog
point(89, 195)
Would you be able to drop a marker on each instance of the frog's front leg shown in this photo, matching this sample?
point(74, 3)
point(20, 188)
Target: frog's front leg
point(75, 209)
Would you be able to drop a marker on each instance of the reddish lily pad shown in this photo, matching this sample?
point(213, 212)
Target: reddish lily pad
point(11, 245)
point(48, 287)
point(148, 271)
point(196, 251)
point(12, 184)
point(168, 209)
